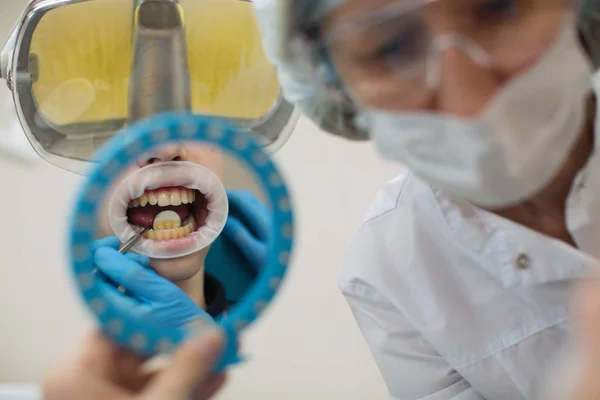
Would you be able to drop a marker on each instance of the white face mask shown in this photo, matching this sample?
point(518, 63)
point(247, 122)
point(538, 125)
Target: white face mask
point(513, 149)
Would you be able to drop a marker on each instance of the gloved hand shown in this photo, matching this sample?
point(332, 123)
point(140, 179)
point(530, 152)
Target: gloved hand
point(238, 254)
point(148, 296)
point(248, 227)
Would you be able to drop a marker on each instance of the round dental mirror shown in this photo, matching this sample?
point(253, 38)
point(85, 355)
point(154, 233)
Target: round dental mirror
point(185, 222)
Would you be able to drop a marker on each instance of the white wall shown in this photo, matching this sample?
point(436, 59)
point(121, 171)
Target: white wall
point(306, 345)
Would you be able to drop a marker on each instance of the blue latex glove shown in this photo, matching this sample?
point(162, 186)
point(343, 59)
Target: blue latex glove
point(148, 296)
point(248, 227)
point(237, 255)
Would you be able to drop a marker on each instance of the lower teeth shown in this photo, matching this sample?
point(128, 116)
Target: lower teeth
point(176, 233)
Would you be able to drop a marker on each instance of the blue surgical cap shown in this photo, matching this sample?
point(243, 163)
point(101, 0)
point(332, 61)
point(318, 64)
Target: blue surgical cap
point(302, 85)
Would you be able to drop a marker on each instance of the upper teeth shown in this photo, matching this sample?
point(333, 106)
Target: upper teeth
point(165, 197)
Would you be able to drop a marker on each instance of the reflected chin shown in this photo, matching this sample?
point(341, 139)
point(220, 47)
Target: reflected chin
point(181, 268)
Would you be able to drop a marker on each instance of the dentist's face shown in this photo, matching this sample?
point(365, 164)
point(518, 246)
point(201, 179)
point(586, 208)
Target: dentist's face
point(427, 59)
point(190, 204)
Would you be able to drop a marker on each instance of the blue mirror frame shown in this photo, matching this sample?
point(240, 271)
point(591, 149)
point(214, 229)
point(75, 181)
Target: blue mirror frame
point(119, 153)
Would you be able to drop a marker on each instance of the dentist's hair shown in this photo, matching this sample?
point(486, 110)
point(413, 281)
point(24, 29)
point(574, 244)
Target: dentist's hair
point(588, 15)
point(307, 76)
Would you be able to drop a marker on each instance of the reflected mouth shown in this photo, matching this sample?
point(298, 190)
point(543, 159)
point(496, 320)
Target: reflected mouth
point(171, 212)
point(184, 204)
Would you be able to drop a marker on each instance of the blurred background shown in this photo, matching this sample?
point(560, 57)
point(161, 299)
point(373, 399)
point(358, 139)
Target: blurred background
point(306, 345)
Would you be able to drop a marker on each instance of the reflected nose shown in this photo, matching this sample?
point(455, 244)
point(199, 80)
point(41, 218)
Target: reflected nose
point(465, 87)
point(171, 153)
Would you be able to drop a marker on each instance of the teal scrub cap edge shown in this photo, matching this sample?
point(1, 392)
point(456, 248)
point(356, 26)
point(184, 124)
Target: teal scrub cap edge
point(314, 10)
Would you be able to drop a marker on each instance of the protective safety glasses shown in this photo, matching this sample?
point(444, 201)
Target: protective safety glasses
point(398, 50)
point(81, 70)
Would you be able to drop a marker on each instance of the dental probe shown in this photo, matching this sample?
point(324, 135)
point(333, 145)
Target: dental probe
point(128, 245)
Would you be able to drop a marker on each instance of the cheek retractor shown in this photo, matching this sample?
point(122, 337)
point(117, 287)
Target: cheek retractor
point(184, 204)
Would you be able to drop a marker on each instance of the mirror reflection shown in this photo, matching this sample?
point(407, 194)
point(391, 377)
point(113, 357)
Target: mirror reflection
point(200, 228)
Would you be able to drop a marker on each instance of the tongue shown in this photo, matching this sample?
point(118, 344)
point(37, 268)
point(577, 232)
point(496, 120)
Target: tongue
point(144, 216)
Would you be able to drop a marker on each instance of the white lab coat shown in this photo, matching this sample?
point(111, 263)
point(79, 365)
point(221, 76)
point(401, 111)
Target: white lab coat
point(457, 303)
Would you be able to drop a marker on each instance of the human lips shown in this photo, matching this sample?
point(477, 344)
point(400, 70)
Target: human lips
point(184, 204)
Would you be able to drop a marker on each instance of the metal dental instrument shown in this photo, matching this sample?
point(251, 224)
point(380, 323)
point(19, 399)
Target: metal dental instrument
point(128, 245)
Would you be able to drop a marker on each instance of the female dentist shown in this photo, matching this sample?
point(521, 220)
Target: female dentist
point(460, 275)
